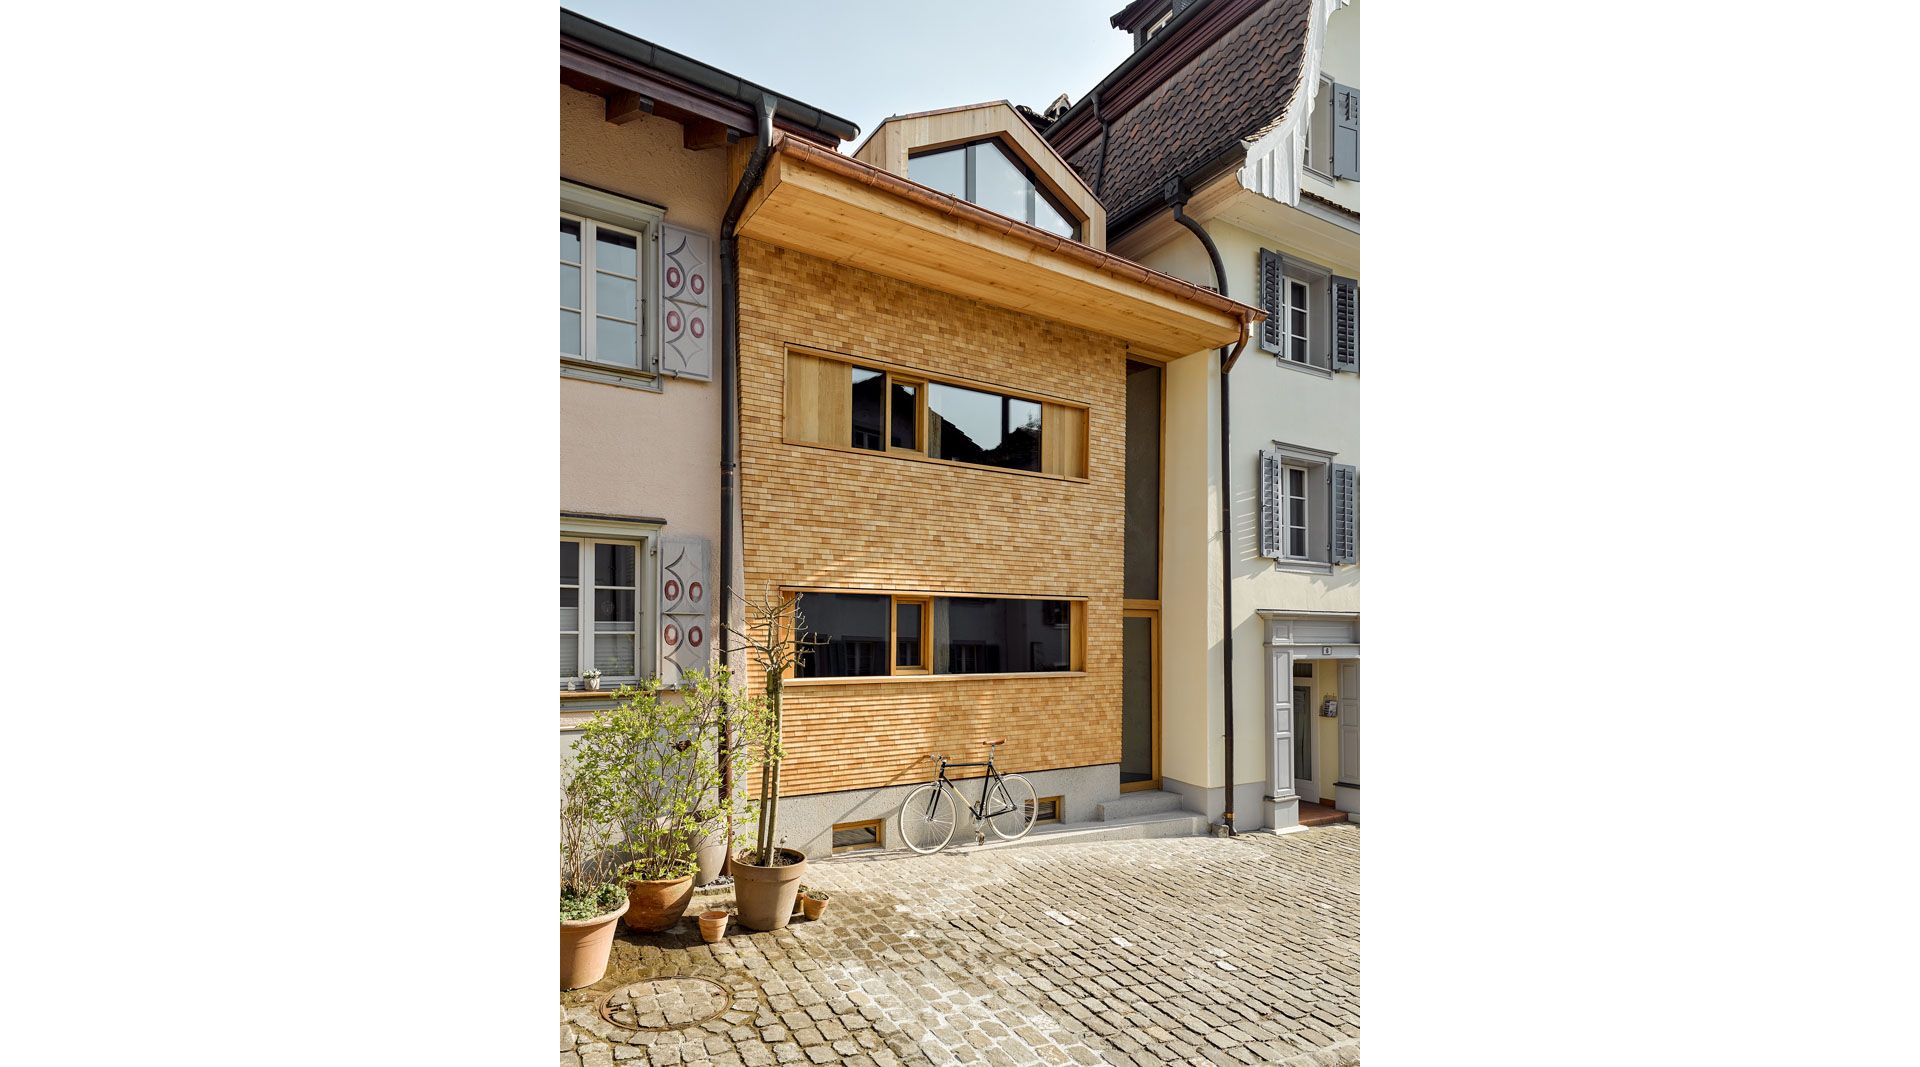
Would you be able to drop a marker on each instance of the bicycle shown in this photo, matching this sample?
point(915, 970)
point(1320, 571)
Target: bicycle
point(1007, 805)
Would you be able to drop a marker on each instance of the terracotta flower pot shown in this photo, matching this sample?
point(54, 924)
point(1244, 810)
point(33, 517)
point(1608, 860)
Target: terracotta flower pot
point(711, 851)
point(713, 925)
point(764, 895)
point(657, 904)
point(812, 907)
point(584, 947)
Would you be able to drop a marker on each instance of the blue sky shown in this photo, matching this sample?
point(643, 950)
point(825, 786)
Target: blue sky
point(865, 59)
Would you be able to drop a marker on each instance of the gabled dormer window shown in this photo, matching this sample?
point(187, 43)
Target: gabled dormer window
point(986, 174)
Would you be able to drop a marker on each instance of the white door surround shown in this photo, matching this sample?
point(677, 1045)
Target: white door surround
point(1307, 636)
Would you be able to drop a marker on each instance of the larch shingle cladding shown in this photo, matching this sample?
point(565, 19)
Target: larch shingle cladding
point(815, 516)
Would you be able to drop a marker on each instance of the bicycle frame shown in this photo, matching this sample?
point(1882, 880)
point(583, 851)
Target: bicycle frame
point(978, 810)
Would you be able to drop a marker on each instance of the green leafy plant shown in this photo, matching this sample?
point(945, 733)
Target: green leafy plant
point(589, 833)
point(775, 639)
point(658, 752)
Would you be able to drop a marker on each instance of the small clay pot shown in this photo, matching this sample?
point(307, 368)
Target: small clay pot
point(713, 925)
point(812, 907)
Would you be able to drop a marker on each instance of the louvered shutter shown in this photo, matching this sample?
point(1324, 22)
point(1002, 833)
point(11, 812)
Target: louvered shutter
point(686, 283)
point(1344, 298)
point(686, 608)
point(1345, 517)
point(1272, 331)
point(1346, 132)
point(1270, 503)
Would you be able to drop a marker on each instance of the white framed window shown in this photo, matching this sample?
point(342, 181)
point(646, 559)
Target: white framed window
point(609, 287)
point(1297, 311)
point(1294, 517)
point(1319, 131)
point(606, 603)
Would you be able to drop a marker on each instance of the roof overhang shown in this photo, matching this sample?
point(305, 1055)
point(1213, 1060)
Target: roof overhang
point(824, 204)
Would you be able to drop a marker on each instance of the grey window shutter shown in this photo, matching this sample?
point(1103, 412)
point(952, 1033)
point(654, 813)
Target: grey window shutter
point(1270, 503)
point(1346, 132)
point(1343, 296)
point(686, 608)
point(1345, 518)
point(686, 283)
point(1272, 271)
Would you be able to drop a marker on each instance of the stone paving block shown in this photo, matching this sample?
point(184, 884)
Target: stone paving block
point(1070, 954)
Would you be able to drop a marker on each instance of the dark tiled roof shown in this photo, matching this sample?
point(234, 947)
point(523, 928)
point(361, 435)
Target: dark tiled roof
point(1235, 89)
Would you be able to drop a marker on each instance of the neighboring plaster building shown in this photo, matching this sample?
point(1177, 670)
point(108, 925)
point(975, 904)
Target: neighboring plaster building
point(1243, 117)
point(644, 187)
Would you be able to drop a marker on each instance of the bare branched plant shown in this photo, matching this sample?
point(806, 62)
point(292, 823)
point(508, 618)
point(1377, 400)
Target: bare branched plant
point(774, 636)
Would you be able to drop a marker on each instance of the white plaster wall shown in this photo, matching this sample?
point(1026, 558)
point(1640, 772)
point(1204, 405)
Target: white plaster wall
point(1270, 403)
point(1340, 60)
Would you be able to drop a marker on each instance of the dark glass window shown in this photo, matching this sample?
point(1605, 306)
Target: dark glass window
point(984, 173)
point(944, 170)
point(907, 628)
point(906, 415)
point(976, 427)
point(869, 409)
point(1141, 559)
point(990, 635)
point(851, 631)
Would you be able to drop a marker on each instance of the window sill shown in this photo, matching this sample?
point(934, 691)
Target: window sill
point(585, 371)
point(605, 692)
point(887, 679)
point(1303, 566)
point(1305, 368)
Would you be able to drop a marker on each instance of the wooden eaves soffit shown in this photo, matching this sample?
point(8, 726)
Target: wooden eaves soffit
point(819, 202)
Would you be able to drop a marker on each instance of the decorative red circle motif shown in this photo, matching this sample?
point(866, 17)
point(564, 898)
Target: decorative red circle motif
point(672, 589)
point(672, 635)
point(694, 637)
point(693, 590)
point(699, 327)
point(699, 284)
point(673, 320)
point(673, 277)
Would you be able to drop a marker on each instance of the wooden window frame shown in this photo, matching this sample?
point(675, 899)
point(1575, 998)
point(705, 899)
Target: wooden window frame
point(596, 209)
point(645, 609)
point(879, 827)
point(1059, 809)
point(1076, 636)
point(922, 381)
point(1288, 286)
point(1296, 511)
point(926, 635)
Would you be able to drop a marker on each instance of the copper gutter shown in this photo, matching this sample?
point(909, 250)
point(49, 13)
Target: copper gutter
point(994, 222)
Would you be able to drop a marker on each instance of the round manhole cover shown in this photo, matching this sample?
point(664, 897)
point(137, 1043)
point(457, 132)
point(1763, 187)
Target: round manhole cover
point(665, 1003)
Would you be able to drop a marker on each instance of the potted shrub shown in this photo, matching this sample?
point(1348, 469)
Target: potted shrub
point(766, 878)
point(658, 750)
point(591, 676)
point(814, 901)
point(591, 902)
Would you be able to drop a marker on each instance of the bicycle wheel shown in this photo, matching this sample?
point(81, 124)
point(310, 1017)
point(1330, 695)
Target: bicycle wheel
point(927, 818)
point(1010, 806)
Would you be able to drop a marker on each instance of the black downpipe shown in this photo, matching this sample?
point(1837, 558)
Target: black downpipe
point(1106, 128)
point(1176, 193)
point(730, 374)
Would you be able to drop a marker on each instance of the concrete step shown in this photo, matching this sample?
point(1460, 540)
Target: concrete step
point(1128, 805)
point(1132, 828)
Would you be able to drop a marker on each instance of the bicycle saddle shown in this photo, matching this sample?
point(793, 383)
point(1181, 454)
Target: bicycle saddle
point(995, 741)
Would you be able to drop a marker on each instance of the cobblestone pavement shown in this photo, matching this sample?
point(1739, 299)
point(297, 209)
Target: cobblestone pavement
point(1182, 950)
